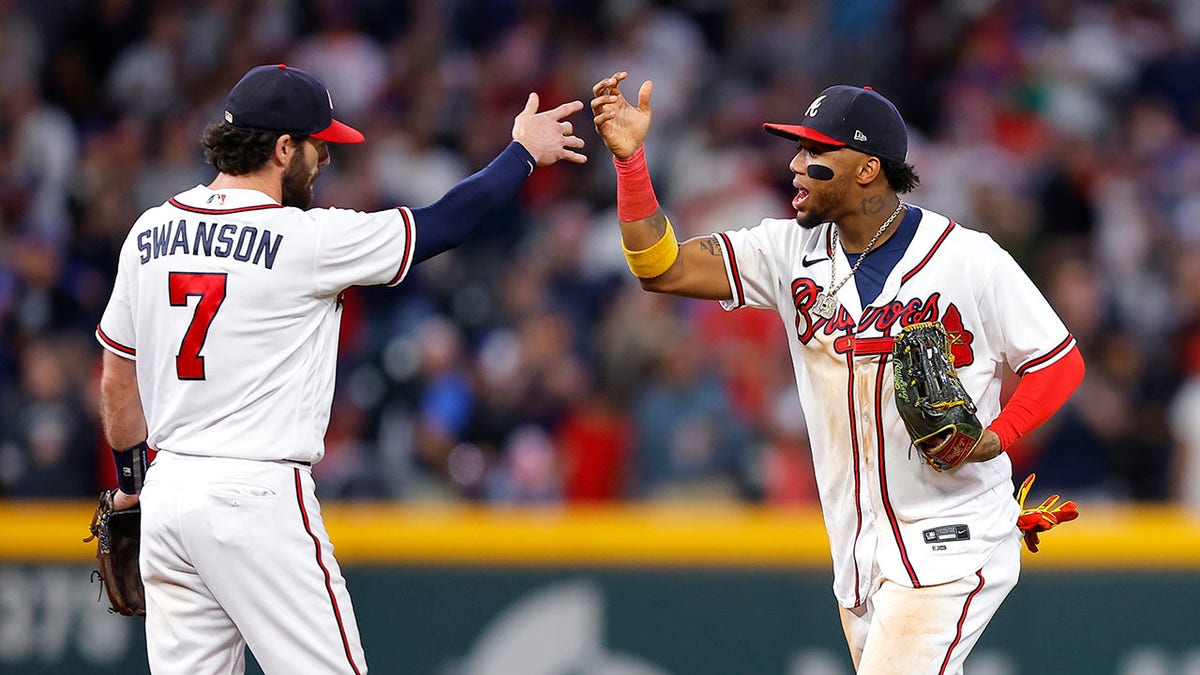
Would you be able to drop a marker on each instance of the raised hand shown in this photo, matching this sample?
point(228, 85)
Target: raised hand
point(622, 126)
point(547, 135)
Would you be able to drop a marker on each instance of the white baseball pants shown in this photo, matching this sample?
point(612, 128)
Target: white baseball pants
point(929, 630)
point(235, 553)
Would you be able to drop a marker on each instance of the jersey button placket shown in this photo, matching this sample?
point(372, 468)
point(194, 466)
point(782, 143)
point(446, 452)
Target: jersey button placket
point(862, 392)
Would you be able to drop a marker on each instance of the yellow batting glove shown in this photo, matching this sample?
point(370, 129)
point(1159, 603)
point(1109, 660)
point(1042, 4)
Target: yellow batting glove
point(1047, 514)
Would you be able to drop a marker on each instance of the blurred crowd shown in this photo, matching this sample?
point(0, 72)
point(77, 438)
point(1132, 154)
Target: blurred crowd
point(528, 366)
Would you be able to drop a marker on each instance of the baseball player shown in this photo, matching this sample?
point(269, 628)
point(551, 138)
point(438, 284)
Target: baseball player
point(922, 560)
point(221, 338)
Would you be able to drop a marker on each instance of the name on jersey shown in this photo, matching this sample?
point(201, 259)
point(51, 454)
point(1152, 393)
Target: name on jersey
point(882, 319)
point(244, 243)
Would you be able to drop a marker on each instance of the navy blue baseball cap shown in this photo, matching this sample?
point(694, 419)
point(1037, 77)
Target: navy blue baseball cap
point(286, 100)
point(852, 117)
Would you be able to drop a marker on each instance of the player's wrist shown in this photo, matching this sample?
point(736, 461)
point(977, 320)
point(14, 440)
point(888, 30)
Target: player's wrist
point(633, 160)
point(1006, 433)
point(519, 153)
point(635, 193)
point(131, 464)
point(989, 446)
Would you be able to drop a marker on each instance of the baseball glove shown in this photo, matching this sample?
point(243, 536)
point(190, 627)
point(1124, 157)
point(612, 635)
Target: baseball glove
point(936, 408)
point(119, 536)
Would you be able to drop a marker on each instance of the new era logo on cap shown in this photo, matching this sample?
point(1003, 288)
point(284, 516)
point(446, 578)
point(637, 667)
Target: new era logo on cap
point(853, 117)
point(286, 100)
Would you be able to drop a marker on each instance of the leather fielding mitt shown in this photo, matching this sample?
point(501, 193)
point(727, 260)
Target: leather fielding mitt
point(937, 410)
point(118, 536)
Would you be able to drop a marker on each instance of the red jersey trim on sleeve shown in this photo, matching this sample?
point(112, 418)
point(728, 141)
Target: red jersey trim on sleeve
point(114, 345)
point(739, 293)
point(1038, 396)
point(1041, 361)
point(410, 243)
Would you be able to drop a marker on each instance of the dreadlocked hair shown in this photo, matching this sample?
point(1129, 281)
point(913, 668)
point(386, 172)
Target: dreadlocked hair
point(901, 176)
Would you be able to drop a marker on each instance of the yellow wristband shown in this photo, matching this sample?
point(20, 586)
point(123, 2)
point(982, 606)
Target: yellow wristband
point(652, 262)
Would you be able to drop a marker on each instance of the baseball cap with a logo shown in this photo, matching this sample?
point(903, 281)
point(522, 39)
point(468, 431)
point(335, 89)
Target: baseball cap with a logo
point(286, 100)
point(853, 117)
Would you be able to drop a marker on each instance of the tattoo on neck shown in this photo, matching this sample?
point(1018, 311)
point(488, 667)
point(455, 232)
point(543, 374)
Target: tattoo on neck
point(872, 205)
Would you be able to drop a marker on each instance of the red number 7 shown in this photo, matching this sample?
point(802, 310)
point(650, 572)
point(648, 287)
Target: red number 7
point(210, 286)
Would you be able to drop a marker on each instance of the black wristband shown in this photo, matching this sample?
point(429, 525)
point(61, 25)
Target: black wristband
point(131, 467)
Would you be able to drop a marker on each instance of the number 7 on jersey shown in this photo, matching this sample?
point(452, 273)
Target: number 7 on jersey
point(210, 286)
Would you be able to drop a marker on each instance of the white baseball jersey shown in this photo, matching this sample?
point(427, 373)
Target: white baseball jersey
point(230, 303)
point(885, 510)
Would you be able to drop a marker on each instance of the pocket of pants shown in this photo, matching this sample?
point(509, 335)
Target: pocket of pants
point(240, 513)
point(233, 491)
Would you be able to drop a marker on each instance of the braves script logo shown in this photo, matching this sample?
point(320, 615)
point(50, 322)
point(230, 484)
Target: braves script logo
point(882, 319)
point(816, 105)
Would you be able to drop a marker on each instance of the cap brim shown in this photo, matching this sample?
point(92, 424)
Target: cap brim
point(337, 132)
point(795, 132)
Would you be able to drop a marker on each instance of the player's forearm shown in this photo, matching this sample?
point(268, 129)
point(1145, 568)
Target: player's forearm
point(1037, 397)
point(647, 238)
point(651, 250)
point(698, 272)
point(695, 270)
point(448, 223)
point(120, 403)
point(641, 234)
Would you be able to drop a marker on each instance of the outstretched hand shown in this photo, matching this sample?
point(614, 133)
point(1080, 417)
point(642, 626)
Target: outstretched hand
point(622, 126)
point(547, 135)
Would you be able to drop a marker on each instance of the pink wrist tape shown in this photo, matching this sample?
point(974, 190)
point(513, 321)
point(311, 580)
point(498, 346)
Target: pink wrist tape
point(635, 194)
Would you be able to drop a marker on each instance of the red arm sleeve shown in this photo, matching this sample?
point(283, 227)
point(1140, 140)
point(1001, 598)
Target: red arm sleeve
point(1037, 397)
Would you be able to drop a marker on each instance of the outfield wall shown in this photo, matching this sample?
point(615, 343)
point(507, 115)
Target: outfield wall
point(635, 591)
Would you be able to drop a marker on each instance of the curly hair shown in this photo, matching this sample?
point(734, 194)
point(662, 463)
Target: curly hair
point(238, 152)
point(901, 176)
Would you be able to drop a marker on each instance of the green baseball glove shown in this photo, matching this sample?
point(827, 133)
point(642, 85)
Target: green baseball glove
point(936, 408)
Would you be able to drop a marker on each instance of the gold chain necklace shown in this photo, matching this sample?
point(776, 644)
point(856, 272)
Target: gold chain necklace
point(827, 304)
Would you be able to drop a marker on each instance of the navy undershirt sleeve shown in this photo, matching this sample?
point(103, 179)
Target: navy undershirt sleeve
point(448, 222)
